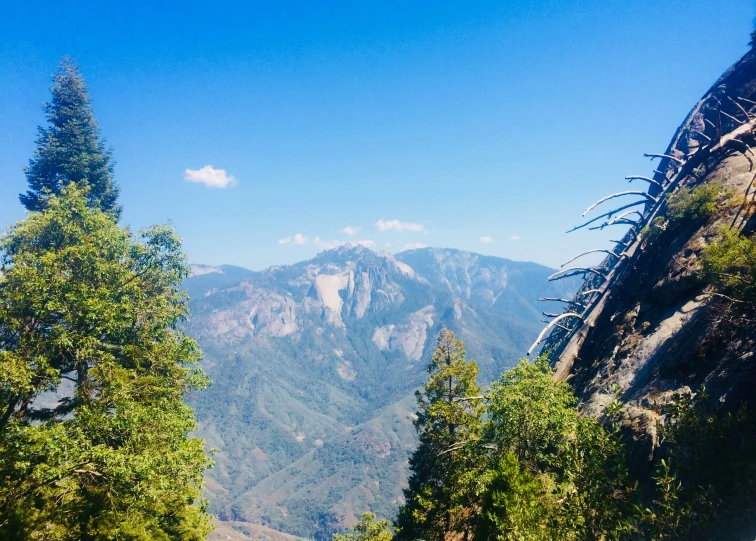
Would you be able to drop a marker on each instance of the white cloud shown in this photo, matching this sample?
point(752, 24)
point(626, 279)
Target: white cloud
point(300, 239)
point(285, 240)
point(211, 177)
point(486, 240)
point(515, 237)
point(365, 243)
point(415, 246)
point(349, 230)
point(396, 225)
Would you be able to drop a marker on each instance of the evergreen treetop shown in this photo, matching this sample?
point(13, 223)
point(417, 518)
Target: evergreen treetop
point(70, 150)
point(449, 423)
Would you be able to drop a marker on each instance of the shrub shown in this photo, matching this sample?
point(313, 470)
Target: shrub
point(694, 204)
point(730, 265)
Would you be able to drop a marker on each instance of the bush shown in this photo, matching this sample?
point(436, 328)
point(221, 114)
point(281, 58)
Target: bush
point(694, 204)
point(553, 473)
point(730, 265)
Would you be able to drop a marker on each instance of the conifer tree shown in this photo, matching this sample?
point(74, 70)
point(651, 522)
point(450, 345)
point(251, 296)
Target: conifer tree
point(108, 456)
point(70, 150)
point(449, 423)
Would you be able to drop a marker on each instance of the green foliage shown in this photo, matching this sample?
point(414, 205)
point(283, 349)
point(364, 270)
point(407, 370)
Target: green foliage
point(70, 150)
point(706, 483)
point(448, 421)
point(554, 474)
point(730, 265)
point(687, 206)
point(694, 204)
point(515, 503)
point(83, 304)
point(367, 529)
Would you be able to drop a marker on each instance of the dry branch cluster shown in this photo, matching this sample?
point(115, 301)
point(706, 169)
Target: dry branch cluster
point(706, 139)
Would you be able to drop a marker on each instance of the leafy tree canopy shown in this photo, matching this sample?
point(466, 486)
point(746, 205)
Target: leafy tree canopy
point(93, 370)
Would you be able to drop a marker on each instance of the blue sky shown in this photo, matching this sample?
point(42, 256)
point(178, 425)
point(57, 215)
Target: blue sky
point(438, 123)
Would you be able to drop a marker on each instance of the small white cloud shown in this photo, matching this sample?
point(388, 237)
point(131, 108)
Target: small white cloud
point(396, 225)
point(349, 230)
point(515, 237)
point(285, 240)
point(365, 243)
point(300, 239)
point(415, 246)
point(211, 177)
point(486, 240)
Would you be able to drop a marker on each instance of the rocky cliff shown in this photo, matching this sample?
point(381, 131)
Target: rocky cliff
point(646, 325)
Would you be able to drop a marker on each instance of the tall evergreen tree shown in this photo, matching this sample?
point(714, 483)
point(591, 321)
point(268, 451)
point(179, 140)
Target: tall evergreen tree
point(449, 423)
point(70, 150)
point(94, 431)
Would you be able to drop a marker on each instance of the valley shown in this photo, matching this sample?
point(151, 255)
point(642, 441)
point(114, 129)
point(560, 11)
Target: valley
point(314, 368)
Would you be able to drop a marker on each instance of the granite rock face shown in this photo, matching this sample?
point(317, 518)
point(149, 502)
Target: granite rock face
point(654, 330)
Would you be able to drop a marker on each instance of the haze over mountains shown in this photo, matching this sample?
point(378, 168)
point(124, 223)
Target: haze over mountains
point(315, 365)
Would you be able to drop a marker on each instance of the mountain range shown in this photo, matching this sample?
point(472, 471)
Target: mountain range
point(314, 368)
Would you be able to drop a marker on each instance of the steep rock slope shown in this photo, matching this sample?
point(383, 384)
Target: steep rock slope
point(651, 328)
point(314, 366)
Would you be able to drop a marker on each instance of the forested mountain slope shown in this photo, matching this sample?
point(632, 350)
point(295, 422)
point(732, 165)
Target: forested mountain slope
point(314, 366)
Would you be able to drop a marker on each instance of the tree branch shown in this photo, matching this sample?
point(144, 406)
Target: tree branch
point(593, 251)
point(574, 271)
point(549, 326)
point(741, 122)
point(631, 178)
point(619, 194)
point(606, 215)
point(678, 161)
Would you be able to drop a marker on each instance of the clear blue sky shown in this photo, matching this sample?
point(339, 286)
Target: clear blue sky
point(470, 119)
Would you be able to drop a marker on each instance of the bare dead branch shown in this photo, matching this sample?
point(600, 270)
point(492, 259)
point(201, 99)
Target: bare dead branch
point(678, 161)
point(702, 134)
point(606, 215)
point(549, 326)
point(628, 213)
point(587, 292)
point(710, 123)
point(741, 122)
point(555, 299)
point(631, 178)
point(619, 194)
point(566, 273)
point(592, 252)
point(741, 98)
point(740, 107)
point(470, 398)
point(615, 221)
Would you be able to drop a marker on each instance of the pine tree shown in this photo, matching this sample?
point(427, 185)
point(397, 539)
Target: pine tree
point(70, 150)
point(83, 302)
point(449, 424)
